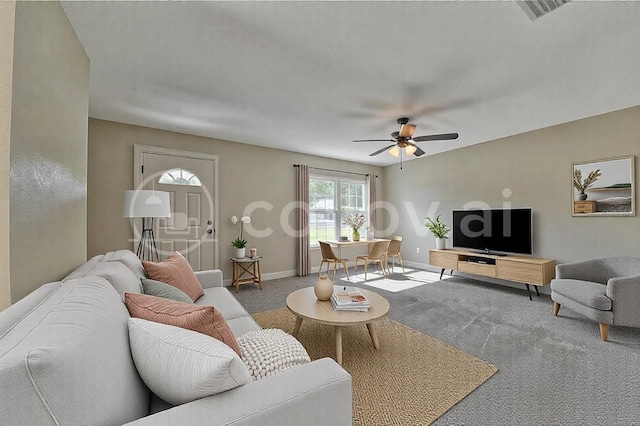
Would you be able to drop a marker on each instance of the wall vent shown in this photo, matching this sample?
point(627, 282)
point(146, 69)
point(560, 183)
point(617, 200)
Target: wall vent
point(536, 8)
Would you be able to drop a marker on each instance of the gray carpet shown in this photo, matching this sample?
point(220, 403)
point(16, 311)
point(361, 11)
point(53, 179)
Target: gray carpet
point(552, 370)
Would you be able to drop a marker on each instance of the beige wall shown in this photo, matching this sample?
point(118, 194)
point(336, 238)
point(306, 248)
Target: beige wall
point(48, 148)
point(536, 167)
point(247, 173)
point(7, 25)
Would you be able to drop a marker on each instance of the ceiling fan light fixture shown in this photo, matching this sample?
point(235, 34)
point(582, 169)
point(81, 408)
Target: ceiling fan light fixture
point(406, 130)
point(410, 149)
point(395, 151)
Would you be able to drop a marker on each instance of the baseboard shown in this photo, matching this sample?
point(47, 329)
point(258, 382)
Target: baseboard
point(267, 276)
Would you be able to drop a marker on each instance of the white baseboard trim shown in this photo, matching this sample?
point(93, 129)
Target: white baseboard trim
point(266, 277)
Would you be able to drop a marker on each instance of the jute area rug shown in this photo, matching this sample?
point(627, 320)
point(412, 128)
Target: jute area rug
point(411, 380)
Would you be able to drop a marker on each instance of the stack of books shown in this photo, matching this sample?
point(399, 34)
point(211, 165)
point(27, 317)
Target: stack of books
point(349, 299)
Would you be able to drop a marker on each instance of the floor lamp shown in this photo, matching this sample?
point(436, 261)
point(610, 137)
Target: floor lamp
point(146, 204)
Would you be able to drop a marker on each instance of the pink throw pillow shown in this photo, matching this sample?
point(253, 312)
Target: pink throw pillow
point(203, 319)
point(176, 271)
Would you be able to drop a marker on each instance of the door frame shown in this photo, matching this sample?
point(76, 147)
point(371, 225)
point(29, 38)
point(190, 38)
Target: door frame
point(140, 150)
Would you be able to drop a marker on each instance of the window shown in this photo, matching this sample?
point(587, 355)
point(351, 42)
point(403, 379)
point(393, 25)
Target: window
point(180, 177)
point(330, 200)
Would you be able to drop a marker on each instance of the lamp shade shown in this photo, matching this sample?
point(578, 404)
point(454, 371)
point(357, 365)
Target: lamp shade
point(395, 151)
point(146, 203)
point(410, 149)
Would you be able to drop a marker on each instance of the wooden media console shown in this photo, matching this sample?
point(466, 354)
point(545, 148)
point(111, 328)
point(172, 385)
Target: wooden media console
point(522, 269)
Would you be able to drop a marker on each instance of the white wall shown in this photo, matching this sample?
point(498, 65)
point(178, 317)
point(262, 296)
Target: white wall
point(48, 148)
point(535, 170)
point(247, 173)
point(7, 25)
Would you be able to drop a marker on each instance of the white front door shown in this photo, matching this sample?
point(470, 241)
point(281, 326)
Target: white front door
point(190, 180)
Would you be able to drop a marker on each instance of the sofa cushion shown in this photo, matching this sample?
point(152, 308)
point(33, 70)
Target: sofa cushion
point(221, 299)
point(269, 351)
point(119, 276)
point(182, 365)
point(203, 319)
point(175, 270)
point(586, 292)
point(160, 289)
point(128, 259)
point(67, 360)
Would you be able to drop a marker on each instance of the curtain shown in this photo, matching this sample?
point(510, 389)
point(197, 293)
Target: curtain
point(302, 197)
point(371, 181)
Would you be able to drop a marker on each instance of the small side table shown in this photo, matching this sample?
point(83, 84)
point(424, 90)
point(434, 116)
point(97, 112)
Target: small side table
point(249, 266)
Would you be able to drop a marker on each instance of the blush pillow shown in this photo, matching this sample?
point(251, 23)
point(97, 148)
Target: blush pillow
point(203, 319)
point(176, 271)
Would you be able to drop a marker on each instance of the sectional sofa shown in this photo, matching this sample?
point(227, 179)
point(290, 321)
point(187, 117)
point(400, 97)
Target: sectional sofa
point(65, 359)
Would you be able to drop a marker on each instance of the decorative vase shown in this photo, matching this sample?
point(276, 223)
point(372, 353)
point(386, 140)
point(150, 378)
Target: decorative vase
point(582, 196)
point(441, 243)
point(356, 235)
point(240, 252)
point(323, 288)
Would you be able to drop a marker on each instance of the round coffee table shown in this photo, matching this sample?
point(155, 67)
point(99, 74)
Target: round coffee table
point(304, 305)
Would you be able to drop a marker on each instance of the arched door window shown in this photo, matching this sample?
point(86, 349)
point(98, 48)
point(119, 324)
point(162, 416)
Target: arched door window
point(180, 177)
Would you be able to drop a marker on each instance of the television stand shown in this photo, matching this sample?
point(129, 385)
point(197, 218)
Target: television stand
point(522, 269)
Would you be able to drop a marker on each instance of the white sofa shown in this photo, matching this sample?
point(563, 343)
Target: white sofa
point(65, 360)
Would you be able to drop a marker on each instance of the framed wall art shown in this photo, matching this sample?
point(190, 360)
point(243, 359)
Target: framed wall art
point(604, 187)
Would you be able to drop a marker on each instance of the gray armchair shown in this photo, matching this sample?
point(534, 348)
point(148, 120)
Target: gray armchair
point(604, 290)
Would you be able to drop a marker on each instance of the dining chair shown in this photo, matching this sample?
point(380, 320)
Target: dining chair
point(376, 255)
point(393, 251)
point(328, 257)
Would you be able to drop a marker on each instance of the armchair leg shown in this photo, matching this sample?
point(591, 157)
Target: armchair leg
point(604, 331)
point(556, 308)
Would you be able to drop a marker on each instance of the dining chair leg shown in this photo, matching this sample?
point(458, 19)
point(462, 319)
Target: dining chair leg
point(366, 267)
point(320, 269)
point(335, 265)
point(401, 263)
point(346, 270)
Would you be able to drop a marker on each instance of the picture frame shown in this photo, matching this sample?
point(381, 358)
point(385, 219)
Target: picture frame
point(604, 187)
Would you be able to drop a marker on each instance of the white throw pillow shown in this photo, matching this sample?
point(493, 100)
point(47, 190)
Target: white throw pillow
point(181, 365)
point(266, 352)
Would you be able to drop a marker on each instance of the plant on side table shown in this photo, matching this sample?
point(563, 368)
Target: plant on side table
point(439, 230)
point(239, 243)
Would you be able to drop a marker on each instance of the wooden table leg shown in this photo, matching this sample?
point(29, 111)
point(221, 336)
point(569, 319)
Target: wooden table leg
point(374, 337)
point(339, 344)
point(297, 326)
point(235, 276)
point(259, 275)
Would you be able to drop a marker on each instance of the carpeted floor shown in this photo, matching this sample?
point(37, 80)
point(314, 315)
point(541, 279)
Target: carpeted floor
point(552, 370)
point(427, 376)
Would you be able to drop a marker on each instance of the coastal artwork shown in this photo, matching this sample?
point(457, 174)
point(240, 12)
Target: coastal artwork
point(604, 187)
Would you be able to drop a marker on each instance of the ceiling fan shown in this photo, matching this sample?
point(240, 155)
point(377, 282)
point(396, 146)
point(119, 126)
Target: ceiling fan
point(404, 140)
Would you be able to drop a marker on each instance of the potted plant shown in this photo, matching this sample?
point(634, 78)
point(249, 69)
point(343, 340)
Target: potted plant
point(355, 221)
point(582, 185)
point(439, 230)
point(240, 243)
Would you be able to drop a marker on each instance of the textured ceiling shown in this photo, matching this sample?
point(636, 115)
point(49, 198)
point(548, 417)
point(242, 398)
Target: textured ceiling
point(312, 76)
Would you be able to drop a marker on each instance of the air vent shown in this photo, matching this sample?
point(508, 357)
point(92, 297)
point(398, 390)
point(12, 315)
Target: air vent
point(536, 8)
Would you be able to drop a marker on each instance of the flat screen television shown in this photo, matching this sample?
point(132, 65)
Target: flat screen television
point(494, 231)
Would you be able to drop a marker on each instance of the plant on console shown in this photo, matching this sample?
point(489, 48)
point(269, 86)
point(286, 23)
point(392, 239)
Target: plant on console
point(437, 228)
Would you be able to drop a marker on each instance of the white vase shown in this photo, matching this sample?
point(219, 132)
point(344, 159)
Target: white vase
point(323, 288)
point(240, 252)
point(441, 243)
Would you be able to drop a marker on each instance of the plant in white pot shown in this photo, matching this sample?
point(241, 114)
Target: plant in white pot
point(439, 230)
point(240, 243)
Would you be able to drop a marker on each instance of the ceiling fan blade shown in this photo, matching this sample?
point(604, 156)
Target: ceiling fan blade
point(418, 152)
point(381, 150)
point(442, 137)
point(374, 140)
point(406, 130)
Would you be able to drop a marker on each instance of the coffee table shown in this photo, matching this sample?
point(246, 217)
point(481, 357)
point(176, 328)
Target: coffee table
point(304, 305)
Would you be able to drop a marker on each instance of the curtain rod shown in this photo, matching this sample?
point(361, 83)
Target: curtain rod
point(337, 171)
